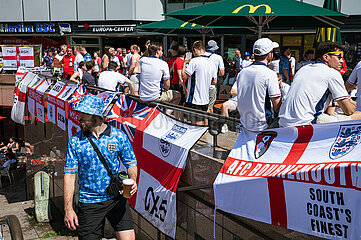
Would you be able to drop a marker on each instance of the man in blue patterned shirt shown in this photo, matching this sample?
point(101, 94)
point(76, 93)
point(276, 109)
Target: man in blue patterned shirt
point(94, 203)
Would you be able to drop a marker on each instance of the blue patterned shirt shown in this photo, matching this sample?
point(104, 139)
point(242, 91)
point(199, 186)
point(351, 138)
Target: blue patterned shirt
point(284, 64)
point(93, 177)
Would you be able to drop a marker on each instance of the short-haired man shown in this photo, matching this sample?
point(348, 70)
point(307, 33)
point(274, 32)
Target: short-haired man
point(237, 60)
point(285, 65)
point(257, 88)
point(134, 68)
point(155, 79)
point(201, 73)
point(86, 56)
point(95, 204)
point(78, 58)
point(67, 63)
point(306, 60)
point(308, 96)
point(87, 76)
point(111, 79)
point(219, 65)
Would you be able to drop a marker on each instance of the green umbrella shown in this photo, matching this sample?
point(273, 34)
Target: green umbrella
point(328, 34)
point(261, 13)
point(176, 26)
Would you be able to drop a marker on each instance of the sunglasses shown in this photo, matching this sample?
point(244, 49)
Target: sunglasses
point(334, 54)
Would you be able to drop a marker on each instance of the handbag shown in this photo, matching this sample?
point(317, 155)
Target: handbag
point(115, 187)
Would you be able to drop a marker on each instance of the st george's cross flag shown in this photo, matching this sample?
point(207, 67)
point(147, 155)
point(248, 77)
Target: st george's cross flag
point(18, 109)
point(305, 178)
point(161, 145)
point(36, 90)
point(14, 57)
point(57, 103)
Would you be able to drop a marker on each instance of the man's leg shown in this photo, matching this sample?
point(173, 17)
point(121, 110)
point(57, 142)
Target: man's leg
point(224, 112)
point(121, 219)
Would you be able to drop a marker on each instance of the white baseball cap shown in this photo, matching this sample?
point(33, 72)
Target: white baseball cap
point(212, 45)
point(263, 46)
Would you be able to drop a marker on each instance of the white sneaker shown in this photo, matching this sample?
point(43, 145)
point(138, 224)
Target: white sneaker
point(224, 129)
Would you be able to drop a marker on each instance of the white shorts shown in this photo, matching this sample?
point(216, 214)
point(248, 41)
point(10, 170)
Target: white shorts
point(232, 105)
point(325, 118)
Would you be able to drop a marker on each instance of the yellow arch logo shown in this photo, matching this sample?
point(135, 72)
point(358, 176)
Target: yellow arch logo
point(252, 8)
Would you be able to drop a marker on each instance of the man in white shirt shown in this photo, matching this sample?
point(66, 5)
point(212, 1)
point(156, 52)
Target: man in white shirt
point(201, 73)
point(219, 65)
point(155, 78)
point(309, 94)
point(134, 68)
point(229, 106)
point(257, 88)
point(353, 80)
point(78, 58)
point(111, 79)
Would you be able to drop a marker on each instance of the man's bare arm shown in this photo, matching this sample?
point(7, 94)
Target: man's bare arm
point(133, 63)
point(276, 102)
point(130, 84)
point(347, 106)
point(166, 84)
point(184, 74)
point(70, 218)
point(133, 173)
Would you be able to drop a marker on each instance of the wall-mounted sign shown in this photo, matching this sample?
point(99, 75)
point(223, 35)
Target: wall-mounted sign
point(107, 28)
point(28, 28)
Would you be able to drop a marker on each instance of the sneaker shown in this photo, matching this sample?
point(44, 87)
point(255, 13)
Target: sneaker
point(224, 129)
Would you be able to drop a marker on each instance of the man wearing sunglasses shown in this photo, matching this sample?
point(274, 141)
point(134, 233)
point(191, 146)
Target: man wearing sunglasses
point(314, 86)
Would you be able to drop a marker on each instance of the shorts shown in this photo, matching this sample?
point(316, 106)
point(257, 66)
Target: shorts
point(135, 79)
point(232, 105)
point(325, 118)
point(179, 88)
point(92, 216)
point(192, 117)
point(168, 96)
point(212, 97)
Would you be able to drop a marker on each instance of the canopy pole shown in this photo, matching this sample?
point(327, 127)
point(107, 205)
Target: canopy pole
point(260, 31)
point(204, 38)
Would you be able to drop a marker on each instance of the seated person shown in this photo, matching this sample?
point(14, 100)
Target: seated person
point(334, 113)
point(111, 79)
point(229, 106)
point(9, 159)
point(78, 75)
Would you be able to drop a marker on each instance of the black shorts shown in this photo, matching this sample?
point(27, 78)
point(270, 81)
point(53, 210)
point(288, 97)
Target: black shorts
point(92, 216)
point(193, 117)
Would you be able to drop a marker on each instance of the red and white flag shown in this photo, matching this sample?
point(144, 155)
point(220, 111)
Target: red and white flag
point(73, 117)
point(14, 57)
point(18, 109)
point(161, 145)
point(36, 90)
point(305, 178)
point(57, 103)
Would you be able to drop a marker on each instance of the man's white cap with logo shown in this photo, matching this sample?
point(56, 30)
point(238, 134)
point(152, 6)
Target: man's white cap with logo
point(212, 45)
point(263, 46)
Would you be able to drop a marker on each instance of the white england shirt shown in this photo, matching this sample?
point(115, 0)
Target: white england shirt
point(354, 78)
point(201, 71)
point(308, 96)
point(218, 62)
point(153, 72)
point(256, 85)
point(110, 80)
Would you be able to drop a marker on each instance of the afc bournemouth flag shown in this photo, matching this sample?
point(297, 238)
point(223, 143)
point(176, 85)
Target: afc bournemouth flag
point(305, 178)
point(36, 90)
point(161, 145)
point(14, 57)
point(57, 103)
point(18, 109)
